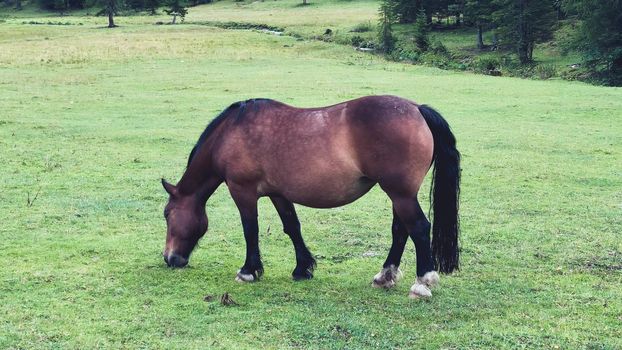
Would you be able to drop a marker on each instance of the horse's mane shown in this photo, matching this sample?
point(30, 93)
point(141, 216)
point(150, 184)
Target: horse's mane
point(240, 106)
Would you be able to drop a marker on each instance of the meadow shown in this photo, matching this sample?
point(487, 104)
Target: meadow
point(92, 118)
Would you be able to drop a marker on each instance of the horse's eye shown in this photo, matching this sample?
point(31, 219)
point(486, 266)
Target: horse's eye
point(166, 212)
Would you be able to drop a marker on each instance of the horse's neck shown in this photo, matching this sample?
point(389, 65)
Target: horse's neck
point(199, 180)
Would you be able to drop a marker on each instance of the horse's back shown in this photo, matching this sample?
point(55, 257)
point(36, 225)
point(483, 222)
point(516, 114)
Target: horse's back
point(329, 156)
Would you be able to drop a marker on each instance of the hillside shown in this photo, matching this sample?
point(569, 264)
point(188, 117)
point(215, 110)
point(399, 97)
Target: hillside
point(352, 23)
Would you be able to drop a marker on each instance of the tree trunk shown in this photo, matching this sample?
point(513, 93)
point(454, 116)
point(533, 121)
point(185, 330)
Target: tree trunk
point(495, 41)
point(459, 20)
point(523, 35)
point(304, 2)
point(18, 4)
point(480, 39)
point(174, 19)
point(523, 51)
point(111, 20)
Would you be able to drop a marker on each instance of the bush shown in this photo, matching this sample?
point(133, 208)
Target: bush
point(487, 64)
point(407, 54)
point(432, 59)
point(438, 48)
point(357, 41)
point(545, 71)
point(363, 27)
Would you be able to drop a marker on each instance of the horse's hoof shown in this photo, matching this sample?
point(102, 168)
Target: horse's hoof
point(423, 285)
point(307, 274)
point(248, 277)
point(300, 273)
point(387, 277)
point(419, 291)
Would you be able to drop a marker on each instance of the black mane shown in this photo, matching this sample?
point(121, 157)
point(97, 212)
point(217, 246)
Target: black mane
point(240, 106)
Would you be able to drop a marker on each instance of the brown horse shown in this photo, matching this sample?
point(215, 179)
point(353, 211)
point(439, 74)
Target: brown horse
point(323, 158)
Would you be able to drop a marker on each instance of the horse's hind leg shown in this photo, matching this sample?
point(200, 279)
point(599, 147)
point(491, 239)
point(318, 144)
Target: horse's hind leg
point(291, 226)
point(390, 272)
point(418, 227)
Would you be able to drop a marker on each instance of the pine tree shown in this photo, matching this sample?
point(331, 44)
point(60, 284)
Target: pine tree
point(110, 9)
point(479, 13)
point(523, 23)
point(385, 33)
point(152, 6)
point(421, 32)
point(176, 9)
point(599, 36)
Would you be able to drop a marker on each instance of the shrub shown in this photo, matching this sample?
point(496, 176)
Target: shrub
point(402, 53)
point(363, 27)
point(486, 64)
point(357, 41)
point(432, 59)
point(438, 48)
point(546, 71)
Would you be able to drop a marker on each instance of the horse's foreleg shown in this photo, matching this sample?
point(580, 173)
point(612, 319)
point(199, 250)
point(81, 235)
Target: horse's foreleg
point(418, 227)
point(246, 201)
point(390, 273)
point(291, 226)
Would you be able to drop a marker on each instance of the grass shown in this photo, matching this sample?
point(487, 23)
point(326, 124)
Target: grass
point(351, 23)
point(93, 118)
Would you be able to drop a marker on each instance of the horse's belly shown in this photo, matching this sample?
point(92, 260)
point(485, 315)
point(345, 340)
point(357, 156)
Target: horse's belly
point(325, 193)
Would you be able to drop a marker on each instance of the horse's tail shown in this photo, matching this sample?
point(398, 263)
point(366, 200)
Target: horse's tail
point(444, 192)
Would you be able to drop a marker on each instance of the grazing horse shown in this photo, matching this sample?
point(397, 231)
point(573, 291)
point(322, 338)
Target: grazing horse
point(324, 158)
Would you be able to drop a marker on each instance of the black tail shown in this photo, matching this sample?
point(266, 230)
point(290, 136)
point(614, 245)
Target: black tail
point(444, 192)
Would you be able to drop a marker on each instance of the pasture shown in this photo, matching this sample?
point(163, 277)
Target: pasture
point(91, 119)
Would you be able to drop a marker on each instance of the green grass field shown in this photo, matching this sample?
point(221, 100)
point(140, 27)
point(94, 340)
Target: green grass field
point(92, 118)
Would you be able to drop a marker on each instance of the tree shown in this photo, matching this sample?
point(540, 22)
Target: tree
point(479, 13)
point(110, 9)
point(523, 23)
point(599, 36)
point(558, 5)
point(405, 11)
point(421, 32)
point(456, 8)
point(176, 9)
point(61, 5)
point(385, 33)
point(152, 6)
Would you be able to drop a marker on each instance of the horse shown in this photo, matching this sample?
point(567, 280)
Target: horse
point(324, 158)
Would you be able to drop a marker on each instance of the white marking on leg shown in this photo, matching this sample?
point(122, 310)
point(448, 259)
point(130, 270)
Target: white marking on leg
point(243, 277)
point(387, 277)
point(423, 285)
point(430, 279)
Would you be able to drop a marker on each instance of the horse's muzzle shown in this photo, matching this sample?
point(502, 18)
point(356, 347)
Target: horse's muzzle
point(174, 260)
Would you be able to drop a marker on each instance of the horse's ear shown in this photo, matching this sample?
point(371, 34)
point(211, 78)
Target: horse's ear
point(170, 189)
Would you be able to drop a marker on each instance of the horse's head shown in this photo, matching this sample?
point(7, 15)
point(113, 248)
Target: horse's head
point(186, 223)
